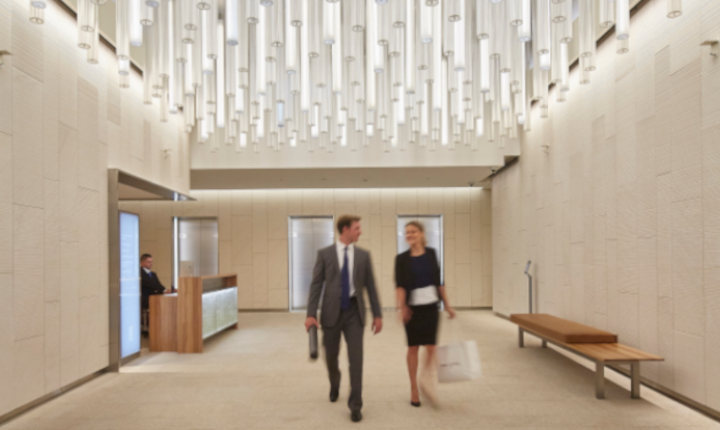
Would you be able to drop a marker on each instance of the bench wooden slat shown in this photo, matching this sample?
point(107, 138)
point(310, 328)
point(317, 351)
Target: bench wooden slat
point(609, 352)
point(562, 330)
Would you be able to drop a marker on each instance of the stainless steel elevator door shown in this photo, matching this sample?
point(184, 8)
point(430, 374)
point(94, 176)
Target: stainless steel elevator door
point(433, 234)
point(307, 236)
point(198, 246)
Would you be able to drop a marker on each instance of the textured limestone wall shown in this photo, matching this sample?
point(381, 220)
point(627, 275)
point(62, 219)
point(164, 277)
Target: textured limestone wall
point(621, 216)
point(63, 122)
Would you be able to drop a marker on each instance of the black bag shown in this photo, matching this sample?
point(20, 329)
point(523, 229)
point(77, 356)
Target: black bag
point(313, 343)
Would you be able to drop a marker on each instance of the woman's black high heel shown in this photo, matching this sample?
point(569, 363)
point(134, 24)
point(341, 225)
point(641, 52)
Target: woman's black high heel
point(416, 404)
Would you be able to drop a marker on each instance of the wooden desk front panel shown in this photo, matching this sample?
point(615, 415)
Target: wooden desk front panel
point(189, 315)
point(163, 323)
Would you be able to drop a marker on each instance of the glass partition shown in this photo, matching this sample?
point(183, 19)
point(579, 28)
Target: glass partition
point(219, 310)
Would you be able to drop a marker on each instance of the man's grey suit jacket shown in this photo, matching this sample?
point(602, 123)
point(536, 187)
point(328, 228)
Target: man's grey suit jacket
point(327, 273)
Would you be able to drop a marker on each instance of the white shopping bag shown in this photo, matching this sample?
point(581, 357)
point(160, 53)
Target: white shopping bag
point(458, 362)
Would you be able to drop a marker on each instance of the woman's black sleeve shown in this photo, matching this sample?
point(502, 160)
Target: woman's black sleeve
point(398, 277)
point(438, 281)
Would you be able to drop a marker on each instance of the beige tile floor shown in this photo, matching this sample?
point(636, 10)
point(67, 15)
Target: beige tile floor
point(259, 377)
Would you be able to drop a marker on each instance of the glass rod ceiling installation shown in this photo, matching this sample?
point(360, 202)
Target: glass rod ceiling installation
point(321, 73)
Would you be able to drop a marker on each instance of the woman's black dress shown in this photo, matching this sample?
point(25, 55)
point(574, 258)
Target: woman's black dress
point(413, 273)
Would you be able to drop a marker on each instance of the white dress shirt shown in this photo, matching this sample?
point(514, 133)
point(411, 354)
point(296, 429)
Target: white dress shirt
point(147, 271)
point(351, 262)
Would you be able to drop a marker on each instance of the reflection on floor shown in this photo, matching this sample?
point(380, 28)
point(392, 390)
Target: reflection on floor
point(259, 377)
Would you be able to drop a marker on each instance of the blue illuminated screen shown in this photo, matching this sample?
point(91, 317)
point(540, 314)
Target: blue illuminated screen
point(129, 284)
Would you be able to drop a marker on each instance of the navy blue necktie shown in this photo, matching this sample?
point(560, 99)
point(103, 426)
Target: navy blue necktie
point(150, 274)
point(345, 297)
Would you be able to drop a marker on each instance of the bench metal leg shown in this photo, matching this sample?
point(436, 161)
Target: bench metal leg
point(521, 338)
point(544, 343)
point(600, 380)
point(635, 380)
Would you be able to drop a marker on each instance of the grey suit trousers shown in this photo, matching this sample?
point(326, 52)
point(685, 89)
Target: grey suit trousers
point(350, 325)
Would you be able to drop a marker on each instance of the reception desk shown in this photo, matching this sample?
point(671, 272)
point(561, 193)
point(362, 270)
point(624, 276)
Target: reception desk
point(202, 307)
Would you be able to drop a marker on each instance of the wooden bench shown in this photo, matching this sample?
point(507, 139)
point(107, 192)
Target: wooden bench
point(596, 345)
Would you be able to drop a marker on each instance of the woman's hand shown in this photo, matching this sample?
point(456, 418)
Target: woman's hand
point(450, 311)
point(406, 314)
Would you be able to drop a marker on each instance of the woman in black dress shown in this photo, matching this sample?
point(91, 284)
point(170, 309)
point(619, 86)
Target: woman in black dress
point(419, 292)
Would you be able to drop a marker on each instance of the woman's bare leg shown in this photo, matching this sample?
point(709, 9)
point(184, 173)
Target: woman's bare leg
point(412, 361)
point(430, 357)
point(429, 377)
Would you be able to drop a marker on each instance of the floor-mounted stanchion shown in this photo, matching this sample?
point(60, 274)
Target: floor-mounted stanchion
point(530, 290)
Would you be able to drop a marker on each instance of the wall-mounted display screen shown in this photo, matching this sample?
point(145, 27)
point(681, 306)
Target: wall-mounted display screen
point(129, 284)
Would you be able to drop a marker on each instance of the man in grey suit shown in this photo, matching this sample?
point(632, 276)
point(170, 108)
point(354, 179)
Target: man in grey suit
point(345, 271)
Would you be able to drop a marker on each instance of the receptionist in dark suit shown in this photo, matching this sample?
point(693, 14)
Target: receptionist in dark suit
point(149, 281)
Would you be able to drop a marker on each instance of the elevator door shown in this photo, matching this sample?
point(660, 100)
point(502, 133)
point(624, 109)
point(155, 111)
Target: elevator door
point(307, 236)
point(433, 234)
point(197, 246)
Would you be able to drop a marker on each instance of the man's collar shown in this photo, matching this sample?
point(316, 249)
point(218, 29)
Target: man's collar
point(341, 245)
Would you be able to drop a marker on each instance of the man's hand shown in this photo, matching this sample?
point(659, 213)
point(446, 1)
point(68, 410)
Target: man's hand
point(309, 322)
point(377, 325)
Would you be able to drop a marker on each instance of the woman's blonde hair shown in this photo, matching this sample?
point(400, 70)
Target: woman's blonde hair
point(419, 226)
